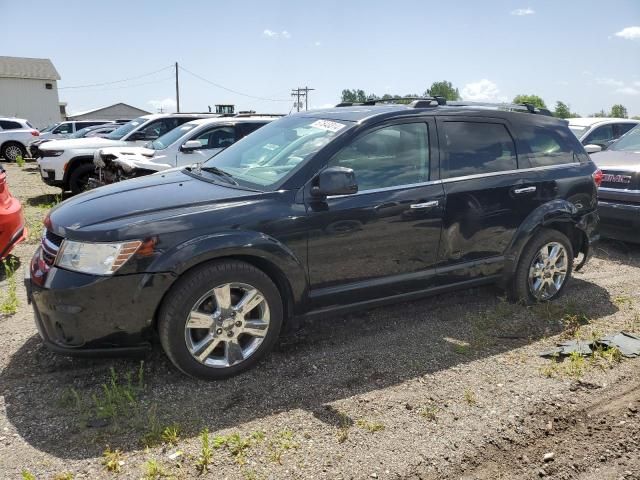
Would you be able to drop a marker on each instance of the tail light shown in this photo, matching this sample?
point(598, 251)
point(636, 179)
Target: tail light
point(597, 177)
point(35, 133)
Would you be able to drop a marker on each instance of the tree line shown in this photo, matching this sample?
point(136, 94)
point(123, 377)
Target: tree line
point(448, 91)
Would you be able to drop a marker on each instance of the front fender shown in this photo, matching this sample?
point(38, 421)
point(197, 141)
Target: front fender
point(555, 212)
point(263, 249)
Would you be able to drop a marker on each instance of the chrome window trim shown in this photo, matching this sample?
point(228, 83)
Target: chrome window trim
point(458, 179)
point(619, 190)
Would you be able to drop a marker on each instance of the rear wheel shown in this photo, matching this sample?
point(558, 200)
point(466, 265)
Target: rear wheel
point(12, 150)
point(220, 319)
point(544, 268)
point(79, 178)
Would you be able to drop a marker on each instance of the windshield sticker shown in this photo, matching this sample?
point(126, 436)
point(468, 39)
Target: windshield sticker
point(327, 125)
point(271, 146)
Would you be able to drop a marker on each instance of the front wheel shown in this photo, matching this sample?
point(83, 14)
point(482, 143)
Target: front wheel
point(544, 267)
point(220, 319)
point(79, 178)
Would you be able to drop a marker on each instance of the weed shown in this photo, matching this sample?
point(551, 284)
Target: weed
point(470, 397)
point(633, 325)
point(70, 398)
point(622, 301)
point(430, 412)
point(9, 304)
point(206, 454)
point(609, 356)
point(370, 426)
point(27, 475)
point(284, 441)
point(344, 423)
point(572, 323)
point(462, 348)
point(249, 474)
point(171, 434)
point(63, 476)
point(20, 161)
point(258, 435)
point(153, 470)
point(112, 460)
point(153, 436)
point(576, 366)
point(118, 397)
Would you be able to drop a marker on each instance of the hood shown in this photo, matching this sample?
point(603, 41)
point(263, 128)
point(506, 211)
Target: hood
point(145, 206)
point(89, 142)
point(127, 150)
point(617, 158)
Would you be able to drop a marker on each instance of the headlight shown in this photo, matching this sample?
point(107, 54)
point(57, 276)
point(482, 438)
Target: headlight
point(51, 153)
point(95, 258)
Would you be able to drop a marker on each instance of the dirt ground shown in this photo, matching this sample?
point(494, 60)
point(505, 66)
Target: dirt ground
point(443, 388)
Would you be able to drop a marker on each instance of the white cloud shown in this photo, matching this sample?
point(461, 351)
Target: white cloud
point(520, 12)
point(317, 44)
point(629, 33)
point(272, 34)
point(610, 82)
point(482, 91)
point(628, 91)
point(167, 104)
point(637, 84)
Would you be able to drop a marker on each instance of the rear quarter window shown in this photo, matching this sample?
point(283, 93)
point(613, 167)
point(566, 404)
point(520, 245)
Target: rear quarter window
point(472, 148)
point(9, 125)
point(550, 146)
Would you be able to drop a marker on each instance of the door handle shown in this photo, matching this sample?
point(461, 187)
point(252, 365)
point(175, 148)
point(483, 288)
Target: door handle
point(520, 191)
point(431, 204)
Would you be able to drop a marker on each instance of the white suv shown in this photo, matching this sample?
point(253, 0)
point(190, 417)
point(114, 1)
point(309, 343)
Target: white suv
point(192, 142)
point(595, 133)
point(15, 135)
point(68, 164)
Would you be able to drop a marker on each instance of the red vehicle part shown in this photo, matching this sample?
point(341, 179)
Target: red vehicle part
point(12, 227)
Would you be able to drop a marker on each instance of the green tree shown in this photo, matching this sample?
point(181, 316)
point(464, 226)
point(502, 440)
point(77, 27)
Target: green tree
point(563, 110)
point(534, 100)
point(619, 111)
point(443, 89)
point(355, 96)
point(600, 114)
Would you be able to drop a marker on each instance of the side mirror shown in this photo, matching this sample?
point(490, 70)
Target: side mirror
point(335, 181)
point(191, 145)
point(593, 148)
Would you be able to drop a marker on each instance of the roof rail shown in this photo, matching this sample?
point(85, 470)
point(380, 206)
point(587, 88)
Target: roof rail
point(253, 114)
point(414, 102)
point(515, 107)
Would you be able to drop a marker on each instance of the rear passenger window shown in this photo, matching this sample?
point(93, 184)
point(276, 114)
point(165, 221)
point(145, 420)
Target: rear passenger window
point(471, 148)
point(388, 157)
point(548, 147)
point(8, 125)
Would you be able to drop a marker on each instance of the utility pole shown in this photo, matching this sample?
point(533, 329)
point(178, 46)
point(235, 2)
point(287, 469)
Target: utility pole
point(306, 97)
point(301, 92)
point(296, 92)
point(177, 90)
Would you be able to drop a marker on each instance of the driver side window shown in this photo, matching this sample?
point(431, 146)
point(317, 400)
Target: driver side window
point(220, 137)
point(388, 157)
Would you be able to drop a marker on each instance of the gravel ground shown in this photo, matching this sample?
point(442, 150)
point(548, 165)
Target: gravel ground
point(442, 388)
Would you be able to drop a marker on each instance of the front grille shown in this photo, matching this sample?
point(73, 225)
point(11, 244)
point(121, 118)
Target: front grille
point(50, 245)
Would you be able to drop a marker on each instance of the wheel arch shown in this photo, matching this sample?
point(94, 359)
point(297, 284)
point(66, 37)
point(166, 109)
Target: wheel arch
point(12, 141)
point(74, 163)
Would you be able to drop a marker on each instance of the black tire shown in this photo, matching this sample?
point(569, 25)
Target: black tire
point(521, 290)
point(11, 150)
point(187, 291)
point(79, 178)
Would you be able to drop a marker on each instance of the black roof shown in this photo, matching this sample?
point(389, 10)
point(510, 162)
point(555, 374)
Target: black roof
point(382, 111)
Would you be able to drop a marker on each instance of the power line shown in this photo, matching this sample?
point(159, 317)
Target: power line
point(231, 90)
point(301, 92)
point(163, 79)
point(117, 81)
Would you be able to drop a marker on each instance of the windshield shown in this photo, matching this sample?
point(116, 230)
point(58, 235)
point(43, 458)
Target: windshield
point(630, 142)
point(262, 159)
point(578, 130)
point(81, 133)
point(171, 136)
point(120, 132)
point(49, 128)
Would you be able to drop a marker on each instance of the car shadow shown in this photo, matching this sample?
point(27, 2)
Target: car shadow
point(327, 361)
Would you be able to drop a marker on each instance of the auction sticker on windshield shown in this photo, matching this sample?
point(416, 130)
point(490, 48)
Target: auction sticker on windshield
point(327, 125)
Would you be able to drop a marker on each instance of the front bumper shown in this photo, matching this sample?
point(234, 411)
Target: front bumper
point(81, 314)
point(49, 177)
point(619, 221)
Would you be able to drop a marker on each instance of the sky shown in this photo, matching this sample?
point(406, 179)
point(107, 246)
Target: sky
point(584, 53)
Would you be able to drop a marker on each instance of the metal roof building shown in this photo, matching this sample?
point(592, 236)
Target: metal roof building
point(29, 89)
point(112, 112)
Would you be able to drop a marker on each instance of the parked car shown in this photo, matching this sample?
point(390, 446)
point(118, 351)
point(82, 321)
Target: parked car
point(12, 226)
point(69, 127)
point(596, 133)
point(93, 131)
point(619, 194)
point(315, 214)
point(15, 135)
point(68, 163)
point(192, 142)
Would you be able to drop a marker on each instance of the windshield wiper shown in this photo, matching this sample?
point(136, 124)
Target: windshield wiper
point(221, 173)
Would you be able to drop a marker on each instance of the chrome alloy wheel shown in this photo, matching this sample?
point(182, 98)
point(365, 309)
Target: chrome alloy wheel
point(12, 152)
point(548, 271)
point(227, 325)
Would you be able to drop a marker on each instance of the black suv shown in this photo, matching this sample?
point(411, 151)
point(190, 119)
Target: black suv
point(314, 214)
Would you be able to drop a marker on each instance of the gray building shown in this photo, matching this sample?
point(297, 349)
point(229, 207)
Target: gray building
point(112, 112)
point(29, 89)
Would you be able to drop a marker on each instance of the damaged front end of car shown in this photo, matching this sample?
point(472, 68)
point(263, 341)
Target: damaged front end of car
point(115, 165)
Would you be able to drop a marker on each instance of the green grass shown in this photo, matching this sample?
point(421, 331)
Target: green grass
point(112, 460)
point(9, 303)
point(284, 440)
point(470, 397)
point(369, 426)
point(430, 412)
point(27, 475)
point(119, 396)
point(20, 161)
point(153, 470)
point(203, 463)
